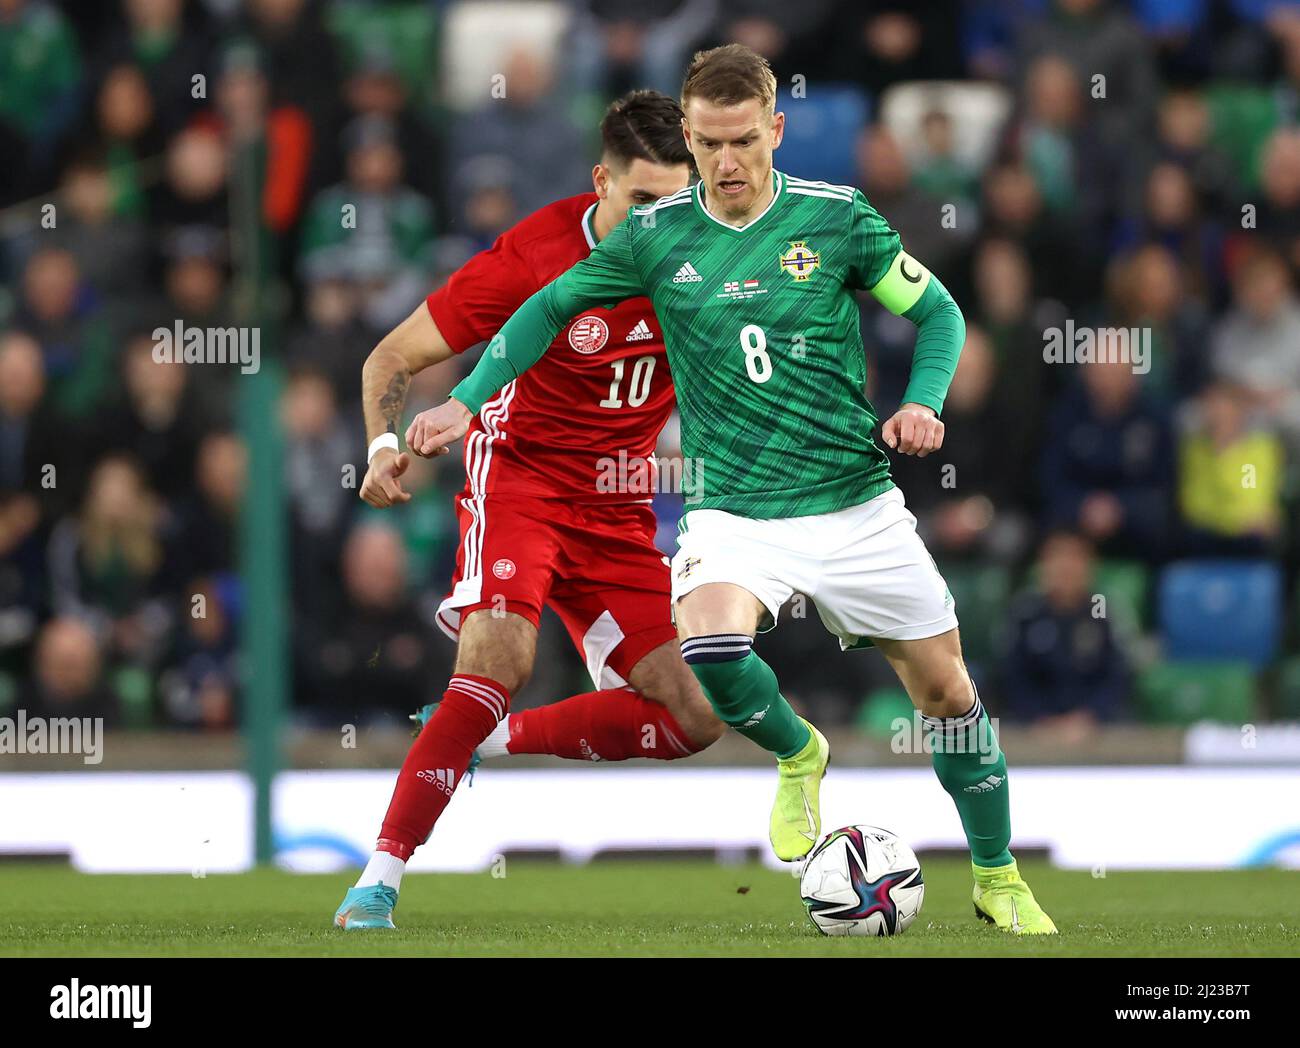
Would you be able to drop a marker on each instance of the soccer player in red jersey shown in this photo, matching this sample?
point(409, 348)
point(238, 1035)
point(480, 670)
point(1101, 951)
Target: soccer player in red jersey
point(539, 521)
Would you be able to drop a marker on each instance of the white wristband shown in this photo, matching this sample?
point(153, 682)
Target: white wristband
point(384, 440)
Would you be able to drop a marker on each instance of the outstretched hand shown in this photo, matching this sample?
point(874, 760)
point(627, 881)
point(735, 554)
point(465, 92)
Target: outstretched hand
point(431, 431)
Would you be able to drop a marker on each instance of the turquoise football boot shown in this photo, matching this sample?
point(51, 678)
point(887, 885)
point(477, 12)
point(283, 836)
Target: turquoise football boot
point(369, 907)
point(421, 718)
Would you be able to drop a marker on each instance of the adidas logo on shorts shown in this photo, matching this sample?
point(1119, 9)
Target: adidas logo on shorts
point(640, 332)
point(687, 275)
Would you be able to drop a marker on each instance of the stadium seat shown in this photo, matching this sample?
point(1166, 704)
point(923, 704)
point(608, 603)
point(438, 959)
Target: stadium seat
point(880, 709)
point(1243, 117)
point(1288, 690)
point(1187, 692)
point(1221, 609)
point(404, 32)
point(982, 593)
point(821, 144)
point(978, 113)
point(1255, 10)
point(1125, 585)
point(482, 35)
point(1170, 16)
point(134, 689)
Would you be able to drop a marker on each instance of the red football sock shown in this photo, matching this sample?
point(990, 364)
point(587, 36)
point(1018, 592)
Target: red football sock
point(612, 725)
point(470, 708)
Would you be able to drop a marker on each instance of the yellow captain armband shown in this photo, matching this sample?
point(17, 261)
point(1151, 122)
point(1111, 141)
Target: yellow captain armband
point(904, 283)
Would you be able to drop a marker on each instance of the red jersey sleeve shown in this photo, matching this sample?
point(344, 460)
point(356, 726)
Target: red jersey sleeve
point(481, 296)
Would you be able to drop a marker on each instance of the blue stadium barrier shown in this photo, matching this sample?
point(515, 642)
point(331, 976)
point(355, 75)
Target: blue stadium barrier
point(821, 134)
point(1221, 609)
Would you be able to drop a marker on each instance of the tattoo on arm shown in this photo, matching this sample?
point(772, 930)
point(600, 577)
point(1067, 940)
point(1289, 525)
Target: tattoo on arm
point(392, 402)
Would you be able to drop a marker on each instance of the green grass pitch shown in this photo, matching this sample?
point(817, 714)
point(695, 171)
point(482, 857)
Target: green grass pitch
point(621, 908)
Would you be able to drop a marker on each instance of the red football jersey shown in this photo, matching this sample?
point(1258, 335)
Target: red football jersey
point(582, 423)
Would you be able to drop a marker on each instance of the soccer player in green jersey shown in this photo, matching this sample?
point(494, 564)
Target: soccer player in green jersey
point(752, 275)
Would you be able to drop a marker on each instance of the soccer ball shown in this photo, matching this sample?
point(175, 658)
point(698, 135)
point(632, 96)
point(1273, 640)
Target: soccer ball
point(862, 880)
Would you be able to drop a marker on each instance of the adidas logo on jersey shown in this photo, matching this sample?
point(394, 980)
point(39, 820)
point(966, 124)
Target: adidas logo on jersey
point(640, 332)
point(687, 275)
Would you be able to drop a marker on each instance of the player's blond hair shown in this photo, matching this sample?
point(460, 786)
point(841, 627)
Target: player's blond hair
point(730, 75)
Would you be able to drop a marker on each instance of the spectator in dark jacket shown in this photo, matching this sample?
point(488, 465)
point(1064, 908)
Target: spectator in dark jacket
point(168, 47)
point(64, 314)
point(67, 678)
point(155, 418)
point(968, 496)
point(376, 658)
point(1108, 463)
point(200, 686)
point(30, 433)
point(1064, 669)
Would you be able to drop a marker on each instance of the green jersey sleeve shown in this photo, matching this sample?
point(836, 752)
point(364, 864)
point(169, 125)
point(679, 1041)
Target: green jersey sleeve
point(875, 245)
point(940, 335)
point(907, 289)
point(609, 274)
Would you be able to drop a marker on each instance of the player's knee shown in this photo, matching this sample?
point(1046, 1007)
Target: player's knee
point(669, 682)
point(947, 694)
point(706, 728)
point(697, 718)
point(692, 710)
point(501, 649)
point(512, 676)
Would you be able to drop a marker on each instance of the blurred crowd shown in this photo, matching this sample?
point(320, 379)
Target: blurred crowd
point(1060, 164)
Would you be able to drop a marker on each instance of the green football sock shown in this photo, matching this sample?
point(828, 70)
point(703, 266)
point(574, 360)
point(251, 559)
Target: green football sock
point(744, 692)
point(970, 765)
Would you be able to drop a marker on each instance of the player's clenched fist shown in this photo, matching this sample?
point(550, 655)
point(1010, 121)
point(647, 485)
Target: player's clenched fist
point(431, 431)
point(914, 430)
point(383, 486)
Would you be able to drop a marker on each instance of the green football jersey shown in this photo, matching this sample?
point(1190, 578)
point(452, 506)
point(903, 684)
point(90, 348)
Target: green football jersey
point(763, 339)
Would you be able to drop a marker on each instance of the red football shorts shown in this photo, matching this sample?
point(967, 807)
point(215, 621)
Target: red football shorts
point(596, 566)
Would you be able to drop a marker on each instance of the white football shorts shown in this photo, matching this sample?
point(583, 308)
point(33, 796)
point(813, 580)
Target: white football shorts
point(865, 567)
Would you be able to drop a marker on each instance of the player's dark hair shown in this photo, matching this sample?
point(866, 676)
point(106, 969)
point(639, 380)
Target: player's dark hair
point(644, 125)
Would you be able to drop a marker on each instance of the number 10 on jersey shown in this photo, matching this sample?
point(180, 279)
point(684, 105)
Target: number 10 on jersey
point(639, 385)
